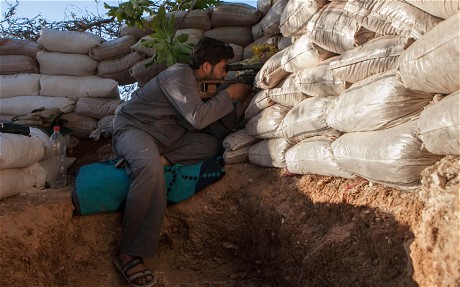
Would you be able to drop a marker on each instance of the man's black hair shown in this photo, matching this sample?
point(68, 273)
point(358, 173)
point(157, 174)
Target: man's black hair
point(210, 50)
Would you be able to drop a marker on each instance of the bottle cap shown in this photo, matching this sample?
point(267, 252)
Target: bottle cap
point(56, 128)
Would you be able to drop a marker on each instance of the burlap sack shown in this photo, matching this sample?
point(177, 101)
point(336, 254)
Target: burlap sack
point(19, 85)
point(70, 42)
point(10, 46)
point(56, 63)
point(118, 69)
point(270, 153)
point(14, 64)
point(78, 87)
point(113, 49)
point(196, 19)
point(234, 15)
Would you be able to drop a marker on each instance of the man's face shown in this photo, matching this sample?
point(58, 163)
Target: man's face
point(218, 71)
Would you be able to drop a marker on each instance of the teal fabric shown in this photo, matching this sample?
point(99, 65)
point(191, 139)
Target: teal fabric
point(101, 187)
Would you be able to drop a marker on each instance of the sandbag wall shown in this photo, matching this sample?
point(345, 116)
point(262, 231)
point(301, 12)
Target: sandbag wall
point(367, 88)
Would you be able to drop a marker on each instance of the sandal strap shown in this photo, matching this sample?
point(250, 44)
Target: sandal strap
point(132, 263)
point(140, 274)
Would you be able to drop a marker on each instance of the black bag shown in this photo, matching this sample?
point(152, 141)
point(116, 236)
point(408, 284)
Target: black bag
point(14, 129)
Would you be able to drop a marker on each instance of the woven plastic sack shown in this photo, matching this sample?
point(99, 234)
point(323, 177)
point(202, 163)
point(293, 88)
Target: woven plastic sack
point(296, 15)
point(144, 74)
point(70, 42)
point(10, 46)
point(287, 92)
point(21, 105)
point(14, 64)
point(17, 151)
point(239, 140)
point(113, 49)
point(265, 125)
point(258, 103)
point(14, 181)
point(19, 85)
point(56, 63)
point(96, 107)
point(270, 23)
point(271, 73)
point(439, 8)
point(270, 152)
point(235, 15)
point(237, 156)
point(241, 36)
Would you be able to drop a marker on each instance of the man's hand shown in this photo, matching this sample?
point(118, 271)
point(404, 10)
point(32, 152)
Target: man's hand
point(240, 91)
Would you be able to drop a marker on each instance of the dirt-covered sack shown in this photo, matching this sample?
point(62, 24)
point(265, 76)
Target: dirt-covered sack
point(96, 107)
point(378, 102)
point(270, 152)
point(78, 87)
point(336, 31)
point(265, 125)
point(21, 105)
point(393, 157)
point(70, 42)
point(287, 92)
point(319, 81)
point(18, 151)
point(431, 63)
point(14, 64)
point(303, 54)
point(439, 126)
point(81, 126)
point(10, 46)
point(271, 73)
point(264, 5)
point(56, 63)
point(270, 23)
point(396, 17)
point(113, 49)
point(195, 19)
point(104, 128)
point(236, 156)
point(144, 74)
point(239, 140)
point(118, 69)
point(258, 103)
point(19, 85)
point(296, 15)
point(314, 156)
point(14, 181)
point(307, 119)
point(240, 36)
point(234, 15)
point(376, 56)
point(439, 8)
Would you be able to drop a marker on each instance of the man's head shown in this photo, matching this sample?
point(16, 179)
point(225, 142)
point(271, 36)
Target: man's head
point(211, 56)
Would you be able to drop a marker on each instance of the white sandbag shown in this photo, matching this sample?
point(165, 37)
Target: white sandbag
point(14, 64)
point(43, 169)
point(21, 105)
point(314, 156)
point(19, 85)
point(70, 42)
point(78, 87)
point(287, 92)
point(19, 150)
point(113, 49)
point(296, 15)
point(379, 55)
point(303, 54)
point(236, 156)
point(56, 63)
point(234, 15)
point(336, 31)
point(9, 46)
point(258, 103)
point(241, 36)
point(81, 126)
point(196, 19)
point(104, 128)
point(378, 102)
point(431, 63)
point(144, 74)
point(439, 8)
point(118, 69)
point(265, 125)
point(39, 173)
point(396, 17)
point(14, 181)
point(318, 81)
point(96, 107)
point(307, 119)
point(270, 23)
point(393, 157)
point(271, 72)
point(270, 153)
point(238, 140)
point(439, 126)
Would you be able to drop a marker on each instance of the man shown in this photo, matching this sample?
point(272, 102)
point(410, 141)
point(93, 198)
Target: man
point(167, 121)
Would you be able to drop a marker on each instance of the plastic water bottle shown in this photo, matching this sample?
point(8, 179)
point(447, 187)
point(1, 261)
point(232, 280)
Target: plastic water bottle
point(58, 175)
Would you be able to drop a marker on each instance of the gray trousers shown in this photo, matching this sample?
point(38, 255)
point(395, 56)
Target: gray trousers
point(146, 201)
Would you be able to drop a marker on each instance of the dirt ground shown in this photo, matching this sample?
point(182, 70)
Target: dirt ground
point(255, 227)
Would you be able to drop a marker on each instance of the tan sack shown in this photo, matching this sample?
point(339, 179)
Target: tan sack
point(271, 73)
point(96, 107)
point(296, 15)
point(10, 46)
point(287, 92)
point(240, 36)
point(113, 49)
point(258, 103)
point(19, 150)
point(270, 153)
point(136, 32)
point(104, 128)
point(314, 156)
point(378, 102)
point(78, 87)
point(236, 156)
point(307, 119)
point(318, 81)
point(14, 64)
point(270, 23)
point(439, 8)
point(144, 74)
point(234, 15)
point(81, 126)
point(393, 157)
point(264, 5)
point(265, 125)
point(70, 42)
point(431, 64)
point(19, 85)
point(396, 17)
point(14, 181)
point(238, 140)
point(336, 31)
point(21, 105)
point(56, 63)
point(376, 56)
point(195, 19)
point(118, 69)
point(439, 126)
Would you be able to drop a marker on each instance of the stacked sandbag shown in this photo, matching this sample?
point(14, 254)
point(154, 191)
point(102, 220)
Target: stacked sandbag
point(237, 146)
point(18, 56)
point(441, 8)
point(296, 15)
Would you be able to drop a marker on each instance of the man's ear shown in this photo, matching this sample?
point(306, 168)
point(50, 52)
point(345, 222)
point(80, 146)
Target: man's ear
point(206, 66)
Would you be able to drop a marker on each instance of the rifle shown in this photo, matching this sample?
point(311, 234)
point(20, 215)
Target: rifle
point(246, 75)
